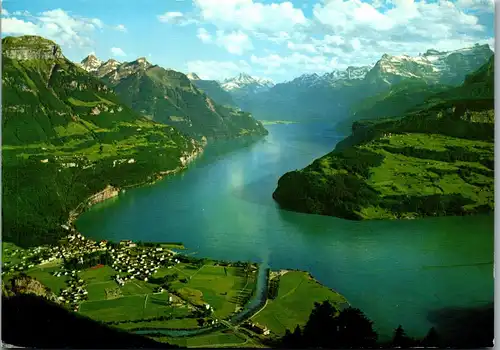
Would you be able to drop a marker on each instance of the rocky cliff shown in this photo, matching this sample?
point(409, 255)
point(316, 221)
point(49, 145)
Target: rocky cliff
point(30, 48)
point(108, 192)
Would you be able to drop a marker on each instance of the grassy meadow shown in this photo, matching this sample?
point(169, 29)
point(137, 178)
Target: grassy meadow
point(297, 293)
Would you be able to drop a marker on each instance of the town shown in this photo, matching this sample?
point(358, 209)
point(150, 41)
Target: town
point(75, 252)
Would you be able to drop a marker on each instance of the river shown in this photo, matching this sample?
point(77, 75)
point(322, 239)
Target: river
point(397, 272)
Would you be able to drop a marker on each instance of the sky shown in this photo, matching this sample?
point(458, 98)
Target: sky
point(273, 39)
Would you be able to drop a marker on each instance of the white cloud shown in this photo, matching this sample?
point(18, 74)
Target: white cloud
point(279, 37)
point(217, 69)
point(57, 25)
point(251, 16)
point(170, 16)
point(235, 42)
point(176, 17)
point(273, 63)
point(301, 47)
point(358, 33)
point(121, 28)
point(116, 51)
point(406, 17)
point(19, 26)
point(204, 35)
point(477, 5)
point(5, 12)
point(21, 13)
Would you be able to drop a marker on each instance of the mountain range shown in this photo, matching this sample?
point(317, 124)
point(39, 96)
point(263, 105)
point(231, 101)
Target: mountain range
point(336, 95)
point(232, 91)
point(170, 97)
point(213, 89)
point(436, 160)
point(447, 67)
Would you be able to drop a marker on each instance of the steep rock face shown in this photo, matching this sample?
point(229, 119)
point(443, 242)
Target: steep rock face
point(107, 67)
point(22, 284)
point(107, 193)
point(30, 48)
point(125, 70)
point(91, 63)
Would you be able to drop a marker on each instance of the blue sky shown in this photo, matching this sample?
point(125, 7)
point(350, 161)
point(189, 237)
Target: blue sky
point(274, 39)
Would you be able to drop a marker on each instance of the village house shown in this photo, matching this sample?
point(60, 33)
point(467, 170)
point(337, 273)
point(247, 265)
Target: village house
point(257, 328)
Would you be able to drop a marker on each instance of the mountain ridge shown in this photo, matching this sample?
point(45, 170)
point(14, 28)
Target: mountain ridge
point(435, 160)
point(70, 136)
point(170, 97)
point(331, 96)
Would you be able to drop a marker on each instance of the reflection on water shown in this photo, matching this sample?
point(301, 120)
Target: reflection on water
point(222, 208)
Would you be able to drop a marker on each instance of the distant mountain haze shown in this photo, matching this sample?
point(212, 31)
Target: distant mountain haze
point(332, 96)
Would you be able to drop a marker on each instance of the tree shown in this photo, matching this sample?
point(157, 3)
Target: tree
point(320, 329)
point(355, 330)
point(293, 340)
point(350, 329)
point(400, 339)
point(431, 339)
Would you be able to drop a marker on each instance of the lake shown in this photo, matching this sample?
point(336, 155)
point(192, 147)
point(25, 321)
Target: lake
point(397, 272)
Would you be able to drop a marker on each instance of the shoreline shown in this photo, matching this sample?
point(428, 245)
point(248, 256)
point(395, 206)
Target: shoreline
point(185, 160)
point(282, 272)
point(111, 192)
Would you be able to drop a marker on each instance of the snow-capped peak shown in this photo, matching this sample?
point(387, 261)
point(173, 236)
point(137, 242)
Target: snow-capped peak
point(434, 65)
point(91, 63)
point(246, 81)
point(142, 61)
point(193, 76)
point(331, 78)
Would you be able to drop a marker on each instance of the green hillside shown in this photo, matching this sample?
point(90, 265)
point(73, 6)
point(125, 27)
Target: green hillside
point(396, 101)
point(66, 136)
point(438, 160)
point(169, 97)
point(213, 89)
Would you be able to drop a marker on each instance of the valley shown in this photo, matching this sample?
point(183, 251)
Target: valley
point(242, 172)
point(169, 97)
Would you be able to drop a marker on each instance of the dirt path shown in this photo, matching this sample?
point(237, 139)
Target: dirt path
point(293, 290)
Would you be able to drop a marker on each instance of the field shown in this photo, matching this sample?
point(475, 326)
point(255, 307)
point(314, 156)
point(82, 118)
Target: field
point(391, 176)
point(8, 254)
point(43, 274)
point(158, 324)
point(216, 339)
point(418, 165)
point(136, 300)
point(211, 284)
point(295, 300)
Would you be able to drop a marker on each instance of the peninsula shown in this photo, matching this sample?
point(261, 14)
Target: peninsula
point(434, 161)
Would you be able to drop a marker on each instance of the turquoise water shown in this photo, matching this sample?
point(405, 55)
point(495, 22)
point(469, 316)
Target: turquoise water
point(397, 272)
